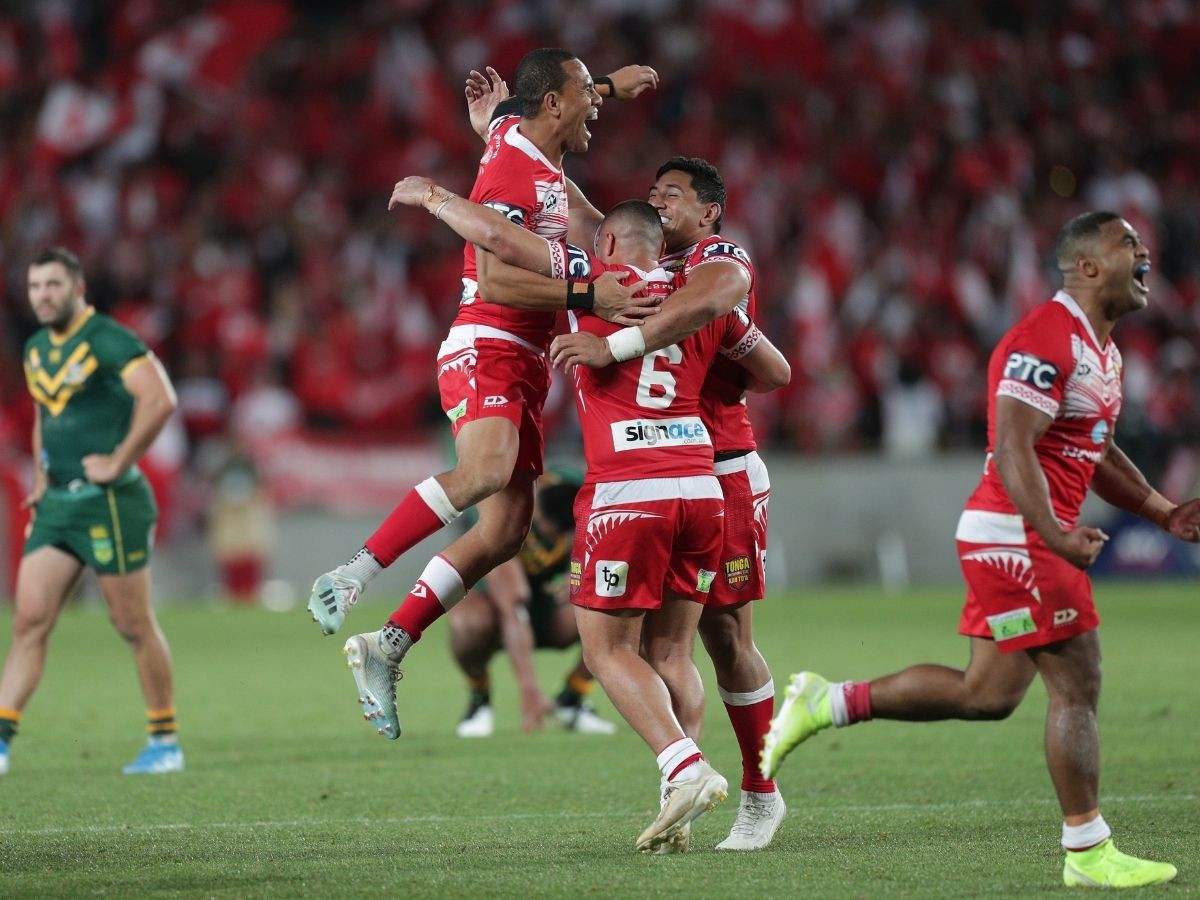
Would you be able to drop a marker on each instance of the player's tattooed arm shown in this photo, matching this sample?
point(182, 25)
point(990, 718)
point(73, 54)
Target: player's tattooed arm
point(1119, 482)
point(483, 226)
point(513, 286)
point(1019, 427)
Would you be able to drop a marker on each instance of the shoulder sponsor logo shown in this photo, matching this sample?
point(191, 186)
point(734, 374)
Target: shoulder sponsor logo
point(737, 572)
point(612, 576)
point(641, 434)
point(1065, 616)
point(725, 248)
point(1012, 624)
point(579, 264)
point(1030, 369)
point(491, 401)
point(513, 213)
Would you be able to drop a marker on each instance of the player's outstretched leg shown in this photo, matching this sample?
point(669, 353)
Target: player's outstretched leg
point(375, 672)
point(684, 800)
point(1104, 866)
point(804, 712)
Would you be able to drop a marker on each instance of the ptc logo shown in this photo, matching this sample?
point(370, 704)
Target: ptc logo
point(612, 576)
point(1028, 368)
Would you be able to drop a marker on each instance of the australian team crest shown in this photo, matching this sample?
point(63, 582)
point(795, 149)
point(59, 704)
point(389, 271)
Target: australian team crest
point(102, 545)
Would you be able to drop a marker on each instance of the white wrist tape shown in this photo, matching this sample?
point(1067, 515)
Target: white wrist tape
point(627, 343)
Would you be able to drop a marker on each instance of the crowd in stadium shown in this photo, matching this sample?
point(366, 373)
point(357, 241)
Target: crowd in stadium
point(897, 170)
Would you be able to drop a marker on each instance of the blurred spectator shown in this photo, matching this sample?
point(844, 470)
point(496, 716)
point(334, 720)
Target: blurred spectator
point(897, 170)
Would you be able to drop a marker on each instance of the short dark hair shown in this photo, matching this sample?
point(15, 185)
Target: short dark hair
point(557, 503)
point(1077, 232)
point(538, 73)
point(62, 255)
point(639, 215)
point(706, 180)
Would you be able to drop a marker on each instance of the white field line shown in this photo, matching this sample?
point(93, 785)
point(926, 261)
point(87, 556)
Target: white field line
point(841, 809)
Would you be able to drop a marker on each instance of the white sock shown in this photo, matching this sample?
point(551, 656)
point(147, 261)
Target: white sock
point(748, 698)
point(1085, 836)
point(837, 704)
point(434, 495)
point(394, 641)
point(673, 755)
point(445, 582)
point(363, 566)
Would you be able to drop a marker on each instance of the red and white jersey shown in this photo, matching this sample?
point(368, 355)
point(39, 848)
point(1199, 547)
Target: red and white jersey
point(1052, 361)
point(641, 418)
point(517, 179)
point(723, 396)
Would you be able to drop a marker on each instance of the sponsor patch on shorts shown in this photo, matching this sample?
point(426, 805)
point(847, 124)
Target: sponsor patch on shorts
point(612, 575)
point(704, 580)
point(737, 572)
point(457, 412)
point(575, 575)
point(1013, 624)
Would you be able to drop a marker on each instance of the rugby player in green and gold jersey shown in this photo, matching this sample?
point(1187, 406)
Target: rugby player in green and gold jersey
point(101, 398)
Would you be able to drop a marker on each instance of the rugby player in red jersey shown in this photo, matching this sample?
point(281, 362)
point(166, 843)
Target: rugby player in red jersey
point(1054, 385)
point(493, 377)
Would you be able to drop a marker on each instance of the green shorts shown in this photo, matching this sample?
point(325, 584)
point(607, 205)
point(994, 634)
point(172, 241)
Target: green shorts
point(108, 527)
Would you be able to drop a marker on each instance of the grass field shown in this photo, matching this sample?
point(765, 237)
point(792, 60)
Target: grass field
point(289, 794)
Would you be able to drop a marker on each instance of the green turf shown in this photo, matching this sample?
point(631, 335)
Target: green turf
point(288, 793)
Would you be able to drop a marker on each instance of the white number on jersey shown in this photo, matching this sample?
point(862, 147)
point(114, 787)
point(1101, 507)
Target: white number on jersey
point(657, 378)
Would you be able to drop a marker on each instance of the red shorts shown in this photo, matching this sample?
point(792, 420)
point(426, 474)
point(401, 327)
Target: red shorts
point(634, 540)
point(1019, 592)
point(481, 376)
point(741, 575)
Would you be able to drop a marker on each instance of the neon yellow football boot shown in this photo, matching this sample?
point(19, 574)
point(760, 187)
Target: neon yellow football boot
point(804, 712)
point(1104, 866)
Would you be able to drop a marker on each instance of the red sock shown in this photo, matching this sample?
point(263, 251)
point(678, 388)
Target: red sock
point(408, 524)
point(695, 757)
point(439, 588)
point(750, 726)
point(858, 701)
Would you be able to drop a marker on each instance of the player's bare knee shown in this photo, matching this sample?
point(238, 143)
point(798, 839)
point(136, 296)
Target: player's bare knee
point(994, 705)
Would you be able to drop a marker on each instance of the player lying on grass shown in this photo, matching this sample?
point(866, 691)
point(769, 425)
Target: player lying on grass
point(523, 605)
point(1054, 385)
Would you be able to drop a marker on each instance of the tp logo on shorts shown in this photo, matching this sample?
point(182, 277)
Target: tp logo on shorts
point(611, 577)
point(704, 580)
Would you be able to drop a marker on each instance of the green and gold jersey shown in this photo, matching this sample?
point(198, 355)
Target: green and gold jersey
point(83, 406)
point(546, 561)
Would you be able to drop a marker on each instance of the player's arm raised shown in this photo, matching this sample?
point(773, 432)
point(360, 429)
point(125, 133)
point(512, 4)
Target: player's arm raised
point(1119, 482)
point(154, 401)
point(712, 290)
point(508, 591)
point(1019, 427)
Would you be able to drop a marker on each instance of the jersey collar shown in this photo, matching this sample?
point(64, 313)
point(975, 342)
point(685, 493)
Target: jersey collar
point(514, 138)
point(1076, 310)
point(58, 341)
